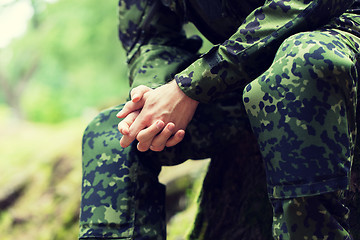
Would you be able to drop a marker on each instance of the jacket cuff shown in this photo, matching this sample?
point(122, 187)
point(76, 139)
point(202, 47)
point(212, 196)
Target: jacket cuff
point(196, 81)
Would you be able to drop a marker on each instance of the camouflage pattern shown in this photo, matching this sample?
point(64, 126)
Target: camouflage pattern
point(318, 217)
point(301, 106)
point(121, 196)
point(110, 184)
point(154, 41)
point(229, 66)
point(302, 110)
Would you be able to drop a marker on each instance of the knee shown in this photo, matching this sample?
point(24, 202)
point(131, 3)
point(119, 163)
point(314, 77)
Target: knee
point(317, 55)
point(101, 132)
point(309, 61)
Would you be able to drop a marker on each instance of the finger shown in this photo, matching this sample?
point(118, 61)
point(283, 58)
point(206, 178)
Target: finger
point(129, 137)
point(126, 140)
point(146, 136)
point(123, 127)
point(141, 122)
point(130, 107)
point(125, 124)
point(134, 129)
point(138, 92)
point(178, 137)
point(160, 140)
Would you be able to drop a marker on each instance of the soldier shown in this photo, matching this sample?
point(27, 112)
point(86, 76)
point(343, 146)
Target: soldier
point(288, 68)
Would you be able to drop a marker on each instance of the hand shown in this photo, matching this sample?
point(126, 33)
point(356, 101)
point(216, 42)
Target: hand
point(131, 110)
point(136, 103)
point(150, 139)
point(125, 124)
point(167, 104)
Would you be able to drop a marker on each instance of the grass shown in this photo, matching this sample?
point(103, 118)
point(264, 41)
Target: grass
point(40, 181)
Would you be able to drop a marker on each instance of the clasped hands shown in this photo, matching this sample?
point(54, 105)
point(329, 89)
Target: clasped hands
point(157, 118)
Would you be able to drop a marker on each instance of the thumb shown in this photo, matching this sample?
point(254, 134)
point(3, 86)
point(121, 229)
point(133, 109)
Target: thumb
point(130, 107)
point(138, 92)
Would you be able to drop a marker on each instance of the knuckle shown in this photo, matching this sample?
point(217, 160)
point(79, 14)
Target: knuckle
point(124, 143)
point(126, 106)
point(169, 144)
point(173, 141)
point(157, 148)
point(146, 119)
point(168, 132)
point(157, 144)
point(143, 136)
point(140, 137)
point(131, 136)
point(142, 148)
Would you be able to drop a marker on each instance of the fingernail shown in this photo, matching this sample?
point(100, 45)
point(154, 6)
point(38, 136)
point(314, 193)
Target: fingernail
point(119, 114)
point(181, 134)
point(125, 132)
point(159, 124)
point(171, 127)
point(135, 97)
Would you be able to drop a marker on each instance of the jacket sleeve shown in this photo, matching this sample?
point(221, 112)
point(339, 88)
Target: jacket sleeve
point(154, 41)
point(249, 52)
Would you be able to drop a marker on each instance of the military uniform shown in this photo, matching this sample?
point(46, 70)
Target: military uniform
point(286, 68)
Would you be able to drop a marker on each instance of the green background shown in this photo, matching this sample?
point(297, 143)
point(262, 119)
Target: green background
point(54, 79)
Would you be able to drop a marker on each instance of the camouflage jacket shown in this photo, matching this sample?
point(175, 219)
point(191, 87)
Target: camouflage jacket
point(246, 37)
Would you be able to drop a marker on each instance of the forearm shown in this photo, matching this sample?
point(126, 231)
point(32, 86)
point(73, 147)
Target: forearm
point(249, 52)
point(157, 65)
point(155, 43)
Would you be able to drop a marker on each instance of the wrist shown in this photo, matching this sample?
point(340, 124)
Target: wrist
point(182, 94)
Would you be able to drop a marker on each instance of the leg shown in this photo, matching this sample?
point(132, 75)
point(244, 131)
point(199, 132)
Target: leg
point(321, 216)
point(121, 196)
point(302, 110)
point(110, 182)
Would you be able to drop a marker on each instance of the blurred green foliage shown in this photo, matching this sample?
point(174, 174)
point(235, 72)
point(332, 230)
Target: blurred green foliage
point(69, 61)
point(74, 57)
point(40, 180)
point(66, 68)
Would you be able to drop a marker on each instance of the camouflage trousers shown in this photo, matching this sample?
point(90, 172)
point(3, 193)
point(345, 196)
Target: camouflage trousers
point(302, 111)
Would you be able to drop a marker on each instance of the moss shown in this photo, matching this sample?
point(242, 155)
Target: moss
point(41, 164)
point(41, 167)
